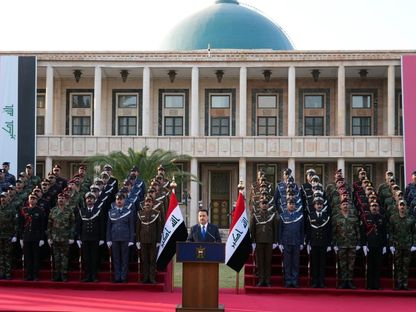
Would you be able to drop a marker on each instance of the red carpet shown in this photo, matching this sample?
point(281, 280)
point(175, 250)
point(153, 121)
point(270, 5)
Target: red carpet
point(35, 299)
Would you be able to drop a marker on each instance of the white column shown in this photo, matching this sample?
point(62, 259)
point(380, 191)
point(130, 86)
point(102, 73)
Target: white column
point(291, 127)
point(390, 100)
point(341, 165)
point(243, 101)
point(195, 102)
point(242, 169)
point(146, 102)
point(193, 211)
point(49, 102)
point(291, 164)
point(48, 165)
point(391, 164)
point(341, 101)
point(98, 129)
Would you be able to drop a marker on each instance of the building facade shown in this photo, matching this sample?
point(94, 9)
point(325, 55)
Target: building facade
point(233, 111)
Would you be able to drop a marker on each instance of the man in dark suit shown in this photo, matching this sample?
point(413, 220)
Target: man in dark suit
point(204, 231)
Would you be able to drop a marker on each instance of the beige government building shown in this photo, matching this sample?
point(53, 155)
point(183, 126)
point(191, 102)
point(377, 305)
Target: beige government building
point(234, 107)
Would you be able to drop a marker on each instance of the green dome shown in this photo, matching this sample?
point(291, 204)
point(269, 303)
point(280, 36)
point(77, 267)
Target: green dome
point(226, 25)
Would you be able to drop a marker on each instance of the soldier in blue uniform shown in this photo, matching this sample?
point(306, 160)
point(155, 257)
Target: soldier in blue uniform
point(120, 236)
point(410, 192)
point(291, 242)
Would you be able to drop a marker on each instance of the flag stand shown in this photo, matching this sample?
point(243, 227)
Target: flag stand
point(237, 283)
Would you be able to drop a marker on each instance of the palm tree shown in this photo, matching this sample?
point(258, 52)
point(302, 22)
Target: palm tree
point(145, 161)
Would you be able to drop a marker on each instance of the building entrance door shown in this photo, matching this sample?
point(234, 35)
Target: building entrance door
point(220, 198)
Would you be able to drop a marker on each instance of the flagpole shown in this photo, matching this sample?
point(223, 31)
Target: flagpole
point(240, 187)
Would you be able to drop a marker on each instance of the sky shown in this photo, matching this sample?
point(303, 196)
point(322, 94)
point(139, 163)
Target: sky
point(140, 25)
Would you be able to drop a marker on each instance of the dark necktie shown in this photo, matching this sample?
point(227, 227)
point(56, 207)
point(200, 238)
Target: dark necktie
point(319, 214)
point(203, 232)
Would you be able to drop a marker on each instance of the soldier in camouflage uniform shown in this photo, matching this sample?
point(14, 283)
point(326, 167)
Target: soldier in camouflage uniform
point(346, 235)
point(384, 188)
point(402, 230)
point(410, 192)
point(61, 233)
point(7, 235)
point(148, 238)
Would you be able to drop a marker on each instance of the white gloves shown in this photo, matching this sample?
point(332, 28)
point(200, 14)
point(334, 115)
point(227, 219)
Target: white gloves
point(275, 245)
point(384, 250)
point(413, 249)
point(336, 249)
point(328, 248)
point(301, 247)
point(70, 241)
point(281, 248)
point(14, 239)
point(138, 245)
point(41, 243)
point(49, 242)
point(365, 250)
point(157, 245)
point(100, 243)
point(21, 243)
point(357, 247)
point(79, 243)
point(308, 249)
point(109, 244)
point(130, 244)
point(253, 246)
point(392, 249)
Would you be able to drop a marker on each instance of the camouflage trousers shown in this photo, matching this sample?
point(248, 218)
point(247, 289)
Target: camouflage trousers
point(401, 266)
point(346, 260)
point(5, 257)
point(60, 258)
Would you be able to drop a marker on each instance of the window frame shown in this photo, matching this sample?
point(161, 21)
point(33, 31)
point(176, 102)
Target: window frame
point(167, 94)
point(220, 118)
point(212, 95)
point(305, 118)
point(275, 96)
point(370, 95)
point(267, 118)
point(323, 99)
point(82, 125)
point(360, 126)
point(174, 118)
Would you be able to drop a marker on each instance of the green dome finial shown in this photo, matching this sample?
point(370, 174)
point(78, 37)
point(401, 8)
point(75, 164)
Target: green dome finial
point(227, 1)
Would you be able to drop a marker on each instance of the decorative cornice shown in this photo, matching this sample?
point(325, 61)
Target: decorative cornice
point(217, 56)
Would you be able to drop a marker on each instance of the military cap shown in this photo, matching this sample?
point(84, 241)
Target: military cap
point(374, 203)
point(104, 173)
point(83, 166)
point(57, 166)
point(392, 180)
point(339, 171)
point(6, 163)
point(160, 167)
point(61, 195)
point(31, 195)
point(107, 167)
point(151, 190)
point(318, 200)
point(94, 187)
point(340, 179)
point(127, 182)
point(318, 194)
point(22, 174)
point(89, 194)
point(18, 181)
point(120, 195)
point(315, 178)
point(287, 171)
point(73, 181)
point(37, 189)
point(12, 187)
point(98, 180)
point(51, 175)
point(29, 166)
point(389, 172)
point(124, 190)
point(3, 194)
point(372, 194)
point(134, 168)
point(396, 187)
point(310, 172)
point(345, 200)
point(401, 201)
point(290, 201)
point(159, 177)
point(399, 192)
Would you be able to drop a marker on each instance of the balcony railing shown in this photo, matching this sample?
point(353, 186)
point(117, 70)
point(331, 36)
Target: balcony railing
point(229, 147)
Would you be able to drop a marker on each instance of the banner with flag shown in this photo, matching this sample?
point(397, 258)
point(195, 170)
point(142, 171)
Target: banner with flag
point(173, 231)
point(238, 246)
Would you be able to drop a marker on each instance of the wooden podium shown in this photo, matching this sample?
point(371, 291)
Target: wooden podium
point(200, 275)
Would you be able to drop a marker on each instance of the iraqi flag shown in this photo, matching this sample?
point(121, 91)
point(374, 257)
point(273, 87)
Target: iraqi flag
point(238, 246)
point(173, 231)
